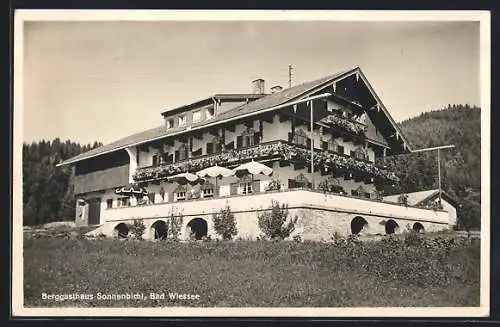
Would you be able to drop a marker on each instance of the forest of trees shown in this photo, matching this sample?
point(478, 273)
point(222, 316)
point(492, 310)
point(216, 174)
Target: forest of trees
point(459, 125)
point(47, 190)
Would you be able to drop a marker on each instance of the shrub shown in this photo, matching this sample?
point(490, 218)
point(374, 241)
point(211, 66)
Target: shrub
point(174, 224)
point(137, 228)
point(413, 239)
point(225, 224)
point(275, 224)
point(403, 199)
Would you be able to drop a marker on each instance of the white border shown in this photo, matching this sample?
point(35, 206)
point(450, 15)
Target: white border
point(20, 16)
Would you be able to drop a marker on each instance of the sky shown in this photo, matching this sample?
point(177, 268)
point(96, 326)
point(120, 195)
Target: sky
point(88, 81)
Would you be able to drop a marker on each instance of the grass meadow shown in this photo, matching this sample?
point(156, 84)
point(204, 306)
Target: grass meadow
point(432, 270)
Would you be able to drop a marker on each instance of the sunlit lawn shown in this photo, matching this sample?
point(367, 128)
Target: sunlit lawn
point(265, 274)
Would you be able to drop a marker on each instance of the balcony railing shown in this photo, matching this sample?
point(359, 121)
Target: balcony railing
point(346, 125)
point(281, 150)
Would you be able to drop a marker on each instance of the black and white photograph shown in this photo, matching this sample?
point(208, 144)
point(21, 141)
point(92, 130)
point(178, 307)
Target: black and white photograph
point(251, 163)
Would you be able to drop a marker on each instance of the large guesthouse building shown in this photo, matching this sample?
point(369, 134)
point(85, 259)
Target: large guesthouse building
point(318, 141)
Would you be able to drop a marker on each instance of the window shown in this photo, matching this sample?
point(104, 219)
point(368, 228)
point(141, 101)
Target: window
point(208, 193)
point(180, 196)
point(156, 160)
point(210, 112)
point(331, 146)
point(210, 148)
point(248, 138)
point(340, 149)
point(123, 202)
point(300, 138)
point(109, 203)
point(182, 153)
point(359, 153)
point(196, 116)
point(170, 123)
point(182, 120)
point(246, 188)
point(151, 198)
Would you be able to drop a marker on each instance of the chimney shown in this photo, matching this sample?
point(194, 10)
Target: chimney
point(276, 88)
point(258, 86)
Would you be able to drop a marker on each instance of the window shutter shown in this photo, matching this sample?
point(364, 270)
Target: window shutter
point(239, 141)
point(290, 137)
point(170, 158)
point(210, 148)
point(340, 149)
point(177, 155)
point(324, 145)
point(256, 138)
point(353, 154)
point(233, 188)
point(256, 186)
point(155, 160)
point(308, 143)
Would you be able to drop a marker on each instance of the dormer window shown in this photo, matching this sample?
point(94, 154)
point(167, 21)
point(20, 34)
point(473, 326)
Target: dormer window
point(196, 116)
point(170, 123)
point(182, 120)
point(210, 112)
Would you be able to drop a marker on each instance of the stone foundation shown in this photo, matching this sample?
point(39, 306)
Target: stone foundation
point(312, 224)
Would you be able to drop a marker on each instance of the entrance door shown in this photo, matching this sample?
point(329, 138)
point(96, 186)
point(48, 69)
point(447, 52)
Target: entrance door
point(94, 211)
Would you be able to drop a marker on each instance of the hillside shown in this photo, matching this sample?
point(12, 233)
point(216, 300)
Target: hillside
point(47, 190)
point(459, 125)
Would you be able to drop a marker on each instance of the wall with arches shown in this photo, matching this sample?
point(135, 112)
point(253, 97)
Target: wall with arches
point(312, 224)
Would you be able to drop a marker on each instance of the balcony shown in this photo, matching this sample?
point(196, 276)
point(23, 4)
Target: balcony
point(346, 125)
point(280, 150)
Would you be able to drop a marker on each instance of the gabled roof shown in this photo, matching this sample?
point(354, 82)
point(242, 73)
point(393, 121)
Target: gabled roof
point(421, 197)
point(264, 103)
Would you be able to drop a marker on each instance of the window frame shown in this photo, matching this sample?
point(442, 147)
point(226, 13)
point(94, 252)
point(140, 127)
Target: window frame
point(210, 191)
point(123, 202)
point(182, 120)
point(210, 113)
point(109, 204)
point(245, 188)
point(151, 198)
point(197, 116)
point(182, 197)
point(170, 123)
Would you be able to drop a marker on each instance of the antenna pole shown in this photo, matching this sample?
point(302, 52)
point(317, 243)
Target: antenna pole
point(290, 68)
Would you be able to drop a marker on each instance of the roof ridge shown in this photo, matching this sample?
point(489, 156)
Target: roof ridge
point(268, 101)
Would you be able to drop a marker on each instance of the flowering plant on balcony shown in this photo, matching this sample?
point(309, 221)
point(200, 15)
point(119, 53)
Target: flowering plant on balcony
point(345, 124)
point(334, 161)
point(196, 164)
point(281, 150)
point(274, 185)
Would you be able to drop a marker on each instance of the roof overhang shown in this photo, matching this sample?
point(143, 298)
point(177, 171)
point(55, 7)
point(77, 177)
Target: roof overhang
point(214, 123)
point(308, 95)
